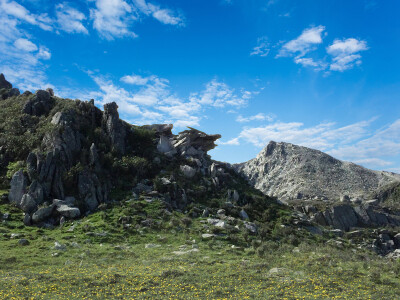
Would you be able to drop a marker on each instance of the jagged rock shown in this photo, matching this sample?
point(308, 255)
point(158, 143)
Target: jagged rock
point(42, 214)
point(284, 170)
point(59, 246)
point(68, 212)
point(27, 203)
point(193, 138)
point(165, 146)
point(188, 171)
point(4, 84)
point(31, 166)
point(221, 212)
point(40, 104)
point(251, 227)
point(160, 129)
point(90, 190)
point(18, 187)
point(93, 156)
point(37, 192)
point(50, 91)
point(114, 127)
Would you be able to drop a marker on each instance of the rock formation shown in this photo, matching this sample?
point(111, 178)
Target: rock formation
point(291, 172)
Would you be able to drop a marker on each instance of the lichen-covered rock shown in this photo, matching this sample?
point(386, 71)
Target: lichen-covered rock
point(69, 212)
point(42, 214)
point(18, 187)
point(28, 204)
point(188, 171)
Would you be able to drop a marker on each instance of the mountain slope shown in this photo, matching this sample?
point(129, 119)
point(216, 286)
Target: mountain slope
point(292, 172)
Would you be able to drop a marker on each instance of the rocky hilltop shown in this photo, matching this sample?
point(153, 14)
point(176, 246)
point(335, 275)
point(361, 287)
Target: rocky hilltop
point(290, 172)
point(62, 159)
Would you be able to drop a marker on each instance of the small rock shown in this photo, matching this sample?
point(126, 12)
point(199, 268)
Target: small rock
point(58, 246)
point(207, 236)
point(243, 215)
point(150, 246)
point(221, 212)
point(27, 220)
point(23, 242)
point(188, 171)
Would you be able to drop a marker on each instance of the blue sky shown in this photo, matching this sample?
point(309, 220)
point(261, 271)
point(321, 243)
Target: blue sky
point(322, 74)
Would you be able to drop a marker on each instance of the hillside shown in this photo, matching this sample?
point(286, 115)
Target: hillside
point(290, 172)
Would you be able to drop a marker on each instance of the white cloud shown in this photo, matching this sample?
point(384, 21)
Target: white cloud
point(113, 18)
point(70, 19)
point(25, 45)
point(345, 53)
point(262, 48)
point(303, 44)
point(257, 117)
point(219, 94)
point(135, 79)
point(20, 58)
point(309, 62)
point(149, 100)
point(232, 142)
point(163, 15)
point(44, 53)
point(16, 10)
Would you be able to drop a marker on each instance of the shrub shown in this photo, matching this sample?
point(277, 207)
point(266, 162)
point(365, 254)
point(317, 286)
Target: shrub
point(15, 167)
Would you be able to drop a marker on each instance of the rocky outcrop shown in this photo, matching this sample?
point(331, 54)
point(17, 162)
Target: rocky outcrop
point(4, 84)
point(114, 127)
point(346, 216)
point(7, 89)
point(40, 104)
point(291, 172)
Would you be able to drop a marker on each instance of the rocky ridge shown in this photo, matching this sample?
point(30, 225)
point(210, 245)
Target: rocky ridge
point(290, 172)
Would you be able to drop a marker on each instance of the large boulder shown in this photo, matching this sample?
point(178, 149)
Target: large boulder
point(18, 187)
point(42, 214)
point(40, 104)
point(68, 212)
point(28, 204)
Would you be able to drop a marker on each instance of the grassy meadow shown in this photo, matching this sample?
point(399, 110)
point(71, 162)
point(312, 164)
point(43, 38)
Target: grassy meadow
point(101, 257)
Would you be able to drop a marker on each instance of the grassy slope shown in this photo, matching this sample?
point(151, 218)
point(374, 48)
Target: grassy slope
point(119, 266)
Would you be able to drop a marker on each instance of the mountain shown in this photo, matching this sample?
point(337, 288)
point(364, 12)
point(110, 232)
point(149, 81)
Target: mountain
point(290, 172)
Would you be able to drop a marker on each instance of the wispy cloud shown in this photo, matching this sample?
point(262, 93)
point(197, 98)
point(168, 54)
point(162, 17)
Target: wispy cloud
point(257, 117)
point(149, 99)
point(20, 57)
point(70, 19)
point(262, 48)
point(219, 94)
point(345, 53)
point(304, 43)
point(19, 12)
point(113, 18)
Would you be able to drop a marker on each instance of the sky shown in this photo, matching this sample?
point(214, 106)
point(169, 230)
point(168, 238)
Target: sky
point(322, 74)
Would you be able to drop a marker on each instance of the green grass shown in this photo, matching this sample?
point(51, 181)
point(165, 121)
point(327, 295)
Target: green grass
point(118, 265)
